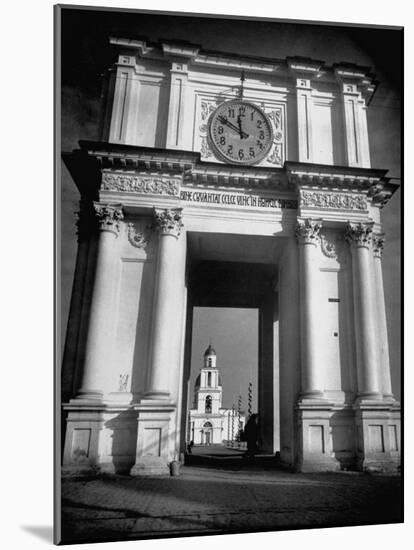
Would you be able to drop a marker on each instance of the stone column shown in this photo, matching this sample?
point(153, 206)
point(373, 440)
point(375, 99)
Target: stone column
point(307, 233)
point(168, 305)
point(100, 329)
point(84, 225)
point(378, 246)
point(359, 236)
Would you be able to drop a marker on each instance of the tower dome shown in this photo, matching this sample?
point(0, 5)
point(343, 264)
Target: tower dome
point(210, 357)
point(210, 351)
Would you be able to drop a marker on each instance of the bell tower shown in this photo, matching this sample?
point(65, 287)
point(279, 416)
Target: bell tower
point(208, 390)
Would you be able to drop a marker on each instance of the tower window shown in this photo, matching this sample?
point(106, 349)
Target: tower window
point(208, 404)
point(210, 362)
point(209, 379)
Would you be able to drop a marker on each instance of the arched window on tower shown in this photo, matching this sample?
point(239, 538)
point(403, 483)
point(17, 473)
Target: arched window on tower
point(210, 362)
point(209, 379)
point(208, 404)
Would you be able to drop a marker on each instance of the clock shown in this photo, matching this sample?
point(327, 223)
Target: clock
point(239, 132)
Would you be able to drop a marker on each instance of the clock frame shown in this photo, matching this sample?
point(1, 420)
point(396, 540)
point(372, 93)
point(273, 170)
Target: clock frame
point(239, 132)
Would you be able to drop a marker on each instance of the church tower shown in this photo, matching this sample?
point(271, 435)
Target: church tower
point(206, 418)
point(208, 390)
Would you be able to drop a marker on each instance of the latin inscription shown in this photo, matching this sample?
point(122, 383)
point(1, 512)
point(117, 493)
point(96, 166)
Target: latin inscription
point(238, 200)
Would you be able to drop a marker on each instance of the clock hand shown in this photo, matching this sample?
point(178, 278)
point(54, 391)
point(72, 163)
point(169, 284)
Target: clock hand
point(228, 123)
point(239, 124)
point(232, 126)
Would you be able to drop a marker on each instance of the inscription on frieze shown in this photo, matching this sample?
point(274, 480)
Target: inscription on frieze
point(131, 183)
point(339, 201)
point(237, 200)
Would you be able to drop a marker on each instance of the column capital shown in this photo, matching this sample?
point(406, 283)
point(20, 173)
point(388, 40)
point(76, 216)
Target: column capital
point(168, 221)
point(378, 240)
point(109, 216)
point(307, 231)
point(359, 235)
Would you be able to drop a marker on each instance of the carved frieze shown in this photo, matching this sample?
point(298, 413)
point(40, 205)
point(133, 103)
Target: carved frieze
point(168, 221)
point(109, 217)
point(339, 201)
point(359, 234)
point(132, 183)
point(307, 231)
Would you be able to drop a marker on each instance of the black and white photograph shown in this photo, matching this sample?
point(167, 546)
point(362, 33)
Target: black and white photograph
point(228, 225)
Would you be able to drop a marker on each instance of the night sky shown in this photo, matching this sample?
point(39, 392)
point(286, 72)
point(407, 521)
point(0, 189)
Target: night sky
point(86, 54)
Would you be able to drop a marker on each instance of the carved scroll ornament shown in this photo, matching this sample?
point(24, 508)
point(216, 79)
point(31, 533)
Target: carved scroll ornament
point(331, 244)
point(207, 108)
point(135, 237)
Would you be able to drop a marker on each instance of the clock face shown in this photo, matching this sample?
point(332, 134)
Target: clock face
point(240, 132)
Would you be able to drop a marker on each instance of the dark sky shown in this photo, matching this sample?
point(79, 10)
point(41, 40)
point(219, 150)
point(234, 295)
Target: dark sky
point(86, 54)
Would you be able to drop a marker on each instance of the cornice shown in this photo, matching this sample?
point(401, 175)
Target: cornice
point(236, 177)
point(348, 73)
point(167, 50)
point(94, 159)
point(110, 155)
point(305, 67)
point(331, 177)
point(188, 51)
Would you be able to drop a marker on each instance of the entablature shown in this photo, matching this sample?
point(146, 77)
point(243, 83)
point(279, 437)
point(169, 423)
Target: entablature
point(105, 167)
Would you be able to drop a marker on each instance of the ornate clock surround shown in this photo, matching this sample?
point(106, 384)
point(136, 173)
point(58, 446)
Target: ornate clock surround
point(275, 111)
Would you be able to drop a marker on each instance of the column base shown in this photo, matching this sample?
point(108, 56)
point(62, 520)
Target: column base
point(150, 466)
point(88, 395)
point(369, 396)
point(100, 438)
point(157, 444)
point(314, 395)
point(155, 395)
point(313, 435)
point(378, 436)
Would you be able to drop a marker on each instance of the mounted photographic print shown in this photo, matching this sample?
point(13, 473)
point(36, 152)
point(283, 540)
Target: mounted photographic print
point(229, 236)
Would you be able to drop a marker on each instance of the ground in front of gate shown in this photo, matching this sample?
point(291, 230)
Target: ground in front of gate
point(219, 492)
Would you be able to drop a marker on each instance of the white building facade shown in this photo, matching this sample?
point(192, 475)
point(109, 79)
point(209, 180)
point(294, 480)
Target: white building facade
point(234, 182)
point(209, 422)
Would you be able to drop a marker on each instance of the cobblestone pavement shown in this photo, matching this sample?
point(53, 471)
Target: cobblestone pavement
point(228, 498)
